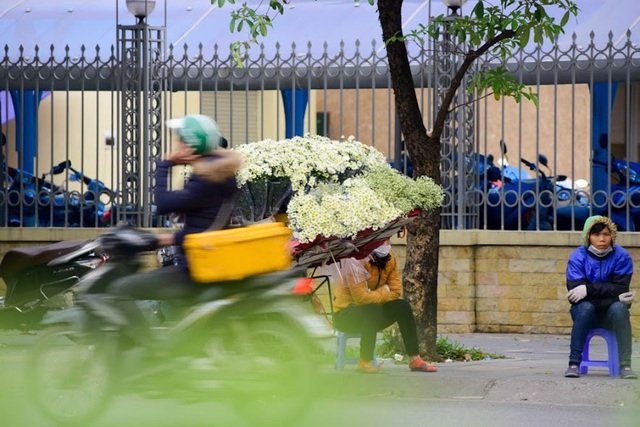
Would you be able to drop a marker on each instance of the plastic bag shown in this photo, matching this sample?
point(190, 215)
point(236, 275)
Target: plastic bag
point(257, 200)
point(346, 272)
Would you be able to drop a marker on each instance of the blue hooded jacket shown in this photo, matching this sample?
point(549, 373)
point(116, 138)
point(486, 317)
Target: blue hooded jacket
point(605, 277)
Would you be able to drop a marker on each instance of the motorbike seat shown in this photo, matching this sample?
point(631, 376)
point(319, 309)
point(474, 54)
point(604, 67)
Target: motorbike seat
point(16, 260)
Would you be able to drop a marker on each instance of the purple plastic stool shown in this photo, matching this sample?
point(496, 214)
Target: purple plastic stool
point(612, 352)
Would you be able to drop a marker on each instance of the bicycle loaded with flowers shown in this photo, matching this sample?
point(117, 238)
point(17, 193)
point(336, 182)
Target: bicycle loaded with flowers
point(340, 198)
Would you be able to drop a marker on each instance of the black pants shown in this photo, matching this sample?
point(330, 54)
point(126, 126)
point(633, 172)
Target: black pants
point(586, 317)
point(164, 284)
point(371, 318)
point(167, 283)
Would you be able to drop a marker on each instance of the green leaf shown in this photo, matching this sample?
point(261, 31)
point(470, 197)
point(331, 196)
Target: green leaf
point(479, 10)
point(549, 33)
point(537, 16)
point(236, 53)
point(524, 38)
point(537, 35)
point(565, 18)
point(277, 6)
point(232, 26)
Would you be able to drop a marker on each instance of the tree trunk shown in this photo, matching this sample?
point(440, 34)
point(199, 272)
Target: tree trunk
point(420, 275)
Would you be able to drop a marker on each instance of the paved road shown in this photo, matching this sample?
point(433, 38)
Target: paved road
point(525, 389)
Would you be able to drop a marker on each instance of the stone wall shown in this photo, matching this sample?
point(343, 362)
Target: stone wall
point(488, 281)
point(510, 281)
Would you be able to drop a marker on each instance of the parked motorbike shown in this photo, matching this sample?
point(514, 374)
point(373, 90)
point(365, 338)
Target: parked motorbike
point(96, 200)
point(249, 343)
point(37, 201)
point(623, 207)
point(510, 200)
point(520, 204)
point(41, 278)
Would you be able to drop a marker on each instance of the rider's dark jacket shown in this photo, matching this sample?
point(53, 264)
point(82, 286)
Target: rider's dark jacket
point(211, 183)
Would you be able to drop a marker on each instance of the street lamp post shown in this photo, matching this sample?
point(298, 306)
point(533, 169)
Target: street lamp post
point(458, 132)
point(140, 49)
point(454, 6)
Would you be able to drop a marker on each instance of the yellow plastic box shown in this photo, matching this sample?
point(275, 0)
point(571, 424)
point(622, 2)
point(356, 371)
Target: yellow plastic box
point(238, 253)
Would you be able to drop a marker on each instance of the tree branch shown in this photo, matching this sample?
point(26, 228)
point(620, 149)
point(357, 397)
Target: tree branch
point(470, 57)
point(471, 102)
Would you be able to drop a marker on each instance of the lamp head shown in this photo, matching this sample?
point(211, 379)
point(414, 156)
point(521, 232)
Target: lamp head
point(454, 5)
point(141, 8)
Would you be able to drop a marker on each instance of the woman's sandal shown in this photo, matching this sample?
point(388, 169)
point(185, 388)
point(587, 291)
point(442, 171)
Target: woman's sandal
point(424, 367)
point(367, 368)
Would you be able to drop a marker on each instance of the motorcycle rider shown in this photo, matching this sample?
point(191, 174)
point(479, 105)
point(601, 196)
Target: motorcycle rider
point(204, 200)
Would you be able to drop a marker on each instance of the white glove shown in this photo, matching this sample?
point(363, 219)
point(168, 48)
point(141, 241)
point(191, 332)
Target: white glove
point(627, 297)
point(577, 294)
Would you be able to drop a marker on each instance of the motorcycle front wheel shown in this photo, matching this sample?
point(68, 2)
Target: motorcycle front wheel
point(268, 370)
point(71, 380)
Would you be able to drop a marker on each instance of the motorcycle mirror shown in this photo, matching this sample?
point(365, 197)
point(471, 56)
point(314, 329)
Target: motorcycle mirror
point(503, 147)
point(490, 159)
point(604, 140)
point(60, 167)
point(542, 159)
point(561, 178)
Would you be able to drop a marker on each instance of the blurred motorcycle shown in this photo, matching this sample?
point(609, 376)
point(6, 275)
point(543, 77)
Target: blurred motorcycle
point(41, 278)
point(249, 343)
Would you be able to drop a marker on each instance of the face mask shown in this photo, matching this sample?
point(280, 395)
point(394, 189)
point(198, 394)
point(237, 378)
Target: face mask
point(598, 252)
point(382, 251)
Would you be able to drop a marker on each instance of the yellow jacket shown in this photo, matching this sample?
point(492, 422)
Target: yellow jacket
point(371, 291)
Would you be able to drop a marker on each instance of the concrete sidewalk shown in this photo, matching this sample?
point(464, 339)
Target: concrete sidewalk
point(533, 371)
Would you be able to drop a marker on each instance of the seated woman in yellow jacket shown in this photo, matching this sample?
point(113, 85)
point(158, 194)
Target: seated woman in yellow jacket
point(375, 304)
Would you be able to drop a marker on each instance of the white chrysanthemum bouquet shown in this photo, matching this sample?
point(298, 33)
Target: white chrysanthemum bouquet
point(327, 188)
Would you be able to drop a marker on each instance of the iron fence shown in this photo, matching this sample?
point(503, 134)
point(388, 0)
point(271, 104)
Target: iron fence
point(80, 134)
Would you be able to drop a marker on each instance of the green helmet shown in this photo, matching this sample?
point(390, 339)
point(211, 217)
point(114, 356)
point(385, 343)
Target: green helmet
point(198, 131)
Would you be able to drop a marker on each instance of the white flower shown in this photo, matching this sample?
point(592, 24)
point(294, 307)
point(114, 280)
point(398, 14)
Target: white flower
point(339, 210)
point(339, 187)
point(306, 161)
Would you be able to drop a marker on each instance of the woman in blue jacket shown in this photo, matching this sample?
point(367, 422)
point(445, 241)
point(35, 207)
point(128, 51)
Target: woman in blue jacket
point(598, 277)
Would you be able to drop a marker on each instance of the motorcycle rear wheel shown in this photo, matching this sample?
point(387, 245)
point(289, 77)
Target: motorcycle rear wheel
point(71, 380)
